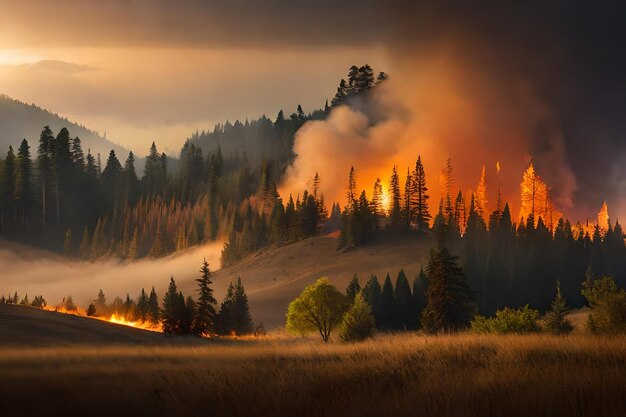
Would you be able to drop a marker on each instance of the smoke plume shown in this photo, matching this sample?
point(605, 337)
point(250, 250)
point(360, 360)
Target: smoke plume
point(438, 103)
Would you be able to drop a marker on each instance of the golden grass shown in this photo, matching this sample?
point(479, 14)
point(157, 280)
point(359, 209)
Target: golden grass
point(460, 375)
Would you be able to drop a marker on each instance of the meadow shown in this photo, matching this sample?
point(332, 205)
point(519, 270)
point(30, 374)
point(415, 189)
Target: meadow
point(390, 375)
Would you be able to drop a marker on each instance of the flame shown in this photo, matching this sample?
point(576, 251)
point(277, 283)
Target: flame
point(114, 318)
point(385, 199)
point(497, 167)
point(535, 199)
point(603, 218)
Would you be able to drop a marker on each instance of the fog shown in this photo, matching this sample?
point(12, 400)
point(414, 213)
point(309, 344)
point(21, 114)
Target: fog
point(34, 272)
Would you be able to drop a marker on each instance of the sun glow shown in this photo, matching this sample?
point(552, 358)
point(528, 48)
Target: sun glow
point(16, 57)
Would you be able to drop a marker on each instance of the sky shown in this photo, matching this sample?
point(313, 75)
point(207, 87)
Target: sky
point(546, 80)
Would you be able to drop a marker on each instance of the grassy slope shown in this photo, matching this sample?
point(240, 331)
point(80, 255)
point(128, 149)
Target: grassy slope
point(276, 276)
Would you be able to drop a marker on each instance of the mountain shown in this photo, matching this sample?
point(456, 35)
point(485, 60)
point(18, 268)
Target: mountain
point(19, 120)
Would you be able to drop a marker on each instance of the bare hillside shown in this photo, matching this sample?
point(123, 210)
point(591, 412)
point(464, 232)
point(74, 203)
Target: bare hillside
point(274, 277)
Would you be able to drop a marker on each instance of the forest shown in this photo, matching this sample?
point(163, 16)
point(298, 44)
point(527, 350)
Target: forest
point(224, 186)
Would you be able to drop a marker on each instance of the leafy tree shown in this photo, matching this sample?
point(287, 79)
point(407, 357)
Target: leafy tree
point(450, 303)
point(320, 307)
point(358, 321)
point(608, 306)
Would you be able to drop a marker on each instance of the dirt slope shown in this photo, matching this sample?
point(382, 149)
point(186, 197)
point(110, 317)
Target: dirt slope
point(274, 277)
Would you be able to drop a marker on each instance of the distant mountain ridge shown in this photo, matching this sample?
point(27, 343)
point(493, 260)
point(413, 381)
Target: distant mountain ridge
point(19, 120)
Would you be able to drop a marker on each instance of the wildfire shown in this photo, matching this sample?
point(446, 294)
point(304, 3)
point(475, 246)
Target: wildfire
point(113, 318)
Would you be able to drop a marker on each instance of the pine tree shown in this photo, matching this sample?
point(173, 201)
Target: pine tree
point(372, 295)
point(23, 182)
point(205, 323)
point(9, 184)
point(85, 244)
point(358, 322)
point(241, 310)
point(395, 211)
point(555, 320)
point(171, 312)
point(448, 183)
point(377, 199)
point(353, 288)
point(351, 194)
point(404, 303)
point(480, 196)
point(159, 246)
point(389, 313)
point(225, 322)
point(154, 314)
point(450, 303)
point(420, 203)
point(143, 306)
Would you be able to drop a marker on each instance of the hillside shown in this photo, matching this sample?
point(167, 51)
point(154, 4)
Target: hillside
point(20, 120)
point(275, 276)
point(28, 326)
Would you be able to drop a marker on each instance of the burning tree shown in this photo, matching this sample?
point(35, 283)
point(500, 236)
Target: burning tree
point(534, 193)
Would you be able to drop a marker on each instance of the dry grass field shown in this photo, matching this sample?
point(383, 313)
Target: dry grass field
point(401, 375)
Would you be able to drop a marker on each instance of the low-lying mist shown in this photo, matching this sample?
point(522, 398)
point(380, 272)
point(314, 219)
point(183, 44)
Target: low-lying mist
point(34, 272)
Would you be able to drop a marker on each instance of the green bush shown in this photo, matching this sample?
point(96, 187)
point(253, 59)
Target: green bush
point(508, 320)
point(608, 306)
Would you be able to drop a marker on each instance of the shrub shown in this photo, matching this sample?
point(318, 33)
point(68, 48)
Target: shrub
point(608, 306)
point(508, 320)
point(358, 322)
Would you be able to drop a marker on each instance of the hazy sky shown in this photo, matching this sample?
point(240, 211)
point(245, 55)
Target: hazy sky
point(145, 70)
point(157, 70)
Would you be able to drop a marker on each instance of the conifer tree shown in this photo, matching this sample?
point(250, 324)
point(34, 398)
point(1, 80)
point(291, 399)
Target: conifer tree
point(23, 182)
point(450, 303)
point(154, 314)
point(172, 313)
point(555, 320)
point(372, 295)
point(404, 303)
point(143, 306)
point(353, 288)
point(419, 205)
point(358, 322)
point(205, 323)
point(388, 307)
point(395, 210)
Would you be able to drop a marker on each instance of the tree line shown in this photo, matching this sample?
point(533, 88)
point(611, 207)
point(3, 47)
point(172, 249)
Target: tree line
point(176, 314)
